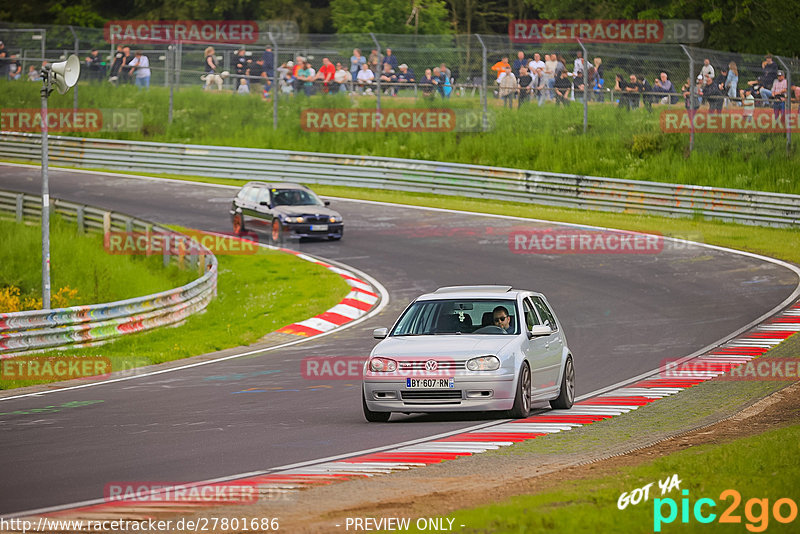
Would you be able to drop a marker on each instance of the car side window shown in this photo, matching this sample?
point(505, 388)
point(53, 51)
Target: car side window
point(252, 194)
point(242, 194)
point(263, 196)
point(545, 313)
point(530, 316)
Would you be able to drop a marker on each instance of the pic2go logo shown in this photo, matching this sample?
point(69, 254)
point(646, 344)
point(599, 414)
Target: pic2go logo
point(756, 511)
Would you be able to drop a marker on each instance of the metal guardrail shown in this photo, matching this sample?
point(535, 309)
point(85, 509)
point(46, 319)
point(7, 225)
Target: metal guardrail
point(41, 329)
point(563, 190)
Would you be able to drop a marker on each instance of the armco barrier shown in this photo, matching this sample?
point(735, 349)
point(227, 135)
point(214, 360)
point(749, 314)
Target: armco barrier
point(573, 191)
point(40, 329)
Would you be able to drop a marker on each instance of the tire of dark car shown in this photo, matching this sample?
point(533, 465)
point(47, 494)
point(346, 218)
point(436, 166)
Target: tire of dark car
point(277, 232)
point(238, 224)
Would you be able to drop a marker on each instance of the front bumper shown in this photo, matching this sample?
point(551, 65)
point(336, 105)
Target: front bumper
point(470, 393)
point(303, 230)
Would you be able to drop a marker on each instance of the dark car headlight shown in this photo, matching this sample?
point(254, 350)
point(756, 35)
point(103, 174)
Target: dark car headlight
point(335, 219)
point(293, 219)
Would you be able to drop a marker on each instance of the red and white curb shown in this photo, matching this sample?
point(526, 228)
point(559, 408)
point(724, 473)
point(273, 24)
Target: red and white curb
point(737, 351)
point(354, 305)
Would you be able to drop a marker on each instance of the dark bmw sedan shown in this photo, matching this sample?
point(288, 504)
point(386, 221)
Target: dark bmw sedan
point(284, 211)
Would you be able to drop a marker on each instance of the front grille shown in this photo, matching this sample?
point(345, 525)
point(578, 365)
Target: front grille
point(441, 365)
point(315, 219)
point(444, 394)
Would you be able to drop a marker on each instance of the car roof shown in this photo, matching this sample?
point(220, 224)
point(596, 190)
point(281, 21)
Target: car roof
point(477, 291)
point(278, 185)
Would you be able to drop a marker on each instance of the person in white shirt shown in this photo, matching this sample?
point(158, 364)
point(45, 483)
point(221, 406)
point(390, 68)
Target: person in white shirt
point(365, 77)
point(243, 89)
point(342, 78)
point(708, 69)
point(140, 70)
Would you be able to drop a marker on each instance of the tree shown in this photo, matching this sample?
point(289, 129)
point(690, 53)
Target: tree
point(390, 16)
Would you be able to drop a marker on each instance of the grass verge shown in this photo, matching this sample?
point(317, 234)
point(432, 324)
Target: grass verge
point(81, 263)
point(256, 295)
point(619, 144)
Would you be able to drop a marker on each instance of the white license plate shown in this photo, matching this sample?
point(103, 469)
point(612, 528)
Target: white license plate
point(430, 383)
point(319, 227)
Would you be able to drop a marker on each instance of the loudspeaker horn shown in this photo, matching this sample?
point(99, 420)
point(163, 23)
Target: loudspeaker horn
point(65, 73)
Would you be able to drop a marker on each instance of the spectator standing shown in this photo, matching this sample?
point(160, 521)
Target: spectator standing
point(94, 65)
point(119, 57)
point(713, 95)
point(126, 70)
point(550, 65)
point(209, 67)
point(708, 69)
point(732, 81)
point(286, 78)
point(356, 60)
point(306, 75)
point(748, 104)
point(579, 65)
point(769, 72)
point(525, 86)
point(447, 73)
point(598, 85)
point(391, 60)
point(647, 93)
point(374, 61)
point(141, 70)
point(242, 68)
point(519, 63)
point(3, 59)
point(779, 90)
point(508, 87)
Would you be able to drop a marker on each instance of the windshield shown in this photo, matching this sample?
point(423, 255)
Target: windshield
point(295, 197)
point(470, 316)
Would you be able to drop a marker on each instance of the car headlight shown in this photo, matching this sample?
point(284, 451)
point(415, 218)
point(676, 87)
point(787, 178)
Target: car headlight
point(334, 219)
point(293, 219)
point(382, 365)
point(484, 363)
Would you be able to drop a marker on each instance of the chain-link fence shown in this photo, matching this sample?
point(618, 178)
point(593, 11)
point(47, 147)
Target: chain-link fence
point(690, 89)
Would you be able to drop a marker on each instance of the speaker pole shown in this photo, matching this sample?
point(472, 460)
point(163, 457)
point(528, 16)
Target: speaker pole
point(46, 89)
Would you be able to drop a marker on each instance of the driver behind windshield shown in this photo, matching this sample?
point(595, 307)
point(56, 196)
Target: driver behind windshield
point(501, 318)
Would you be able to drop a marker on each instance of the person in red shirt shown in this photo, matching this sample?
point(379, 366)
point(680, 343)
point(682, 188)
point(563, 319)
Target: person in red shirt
point(326, 73)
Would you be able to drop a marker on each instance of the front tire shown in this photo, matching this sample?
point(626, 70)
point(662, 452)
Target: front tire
point(238, 224)
point(522, 400)
point(373, 417)
point(566, 398)
point(277, 232)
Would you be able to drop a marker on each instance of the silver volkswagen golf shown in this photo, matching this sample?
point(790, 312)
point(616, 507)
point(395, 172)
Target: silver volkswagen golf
point(470, 348)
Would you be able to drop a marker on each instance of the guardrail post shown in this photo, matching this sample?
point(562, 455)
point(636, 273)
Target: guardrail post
point(106, 223)
point(201, 264)
point(79, 221)
point(129, 225)
point(20, 212)
point(148, 233)
point(167, 249)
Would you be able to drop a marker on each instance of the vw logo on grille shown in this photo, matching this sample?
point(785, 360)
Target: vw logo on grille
point(431, 365)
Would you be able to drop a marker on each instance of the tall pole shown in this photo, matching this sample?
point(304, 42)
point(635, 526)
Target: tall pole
point(275, 82)
point(585, 87)
point(172, 52)
point(692, 98)
point(45, 197)
point(75, 94)
point(484, 81)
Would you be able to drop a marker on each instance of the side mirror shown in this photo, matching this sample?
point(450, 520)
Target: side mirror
point(380, 333)
point(540, 330)
point(265, 203)
point(327, 202)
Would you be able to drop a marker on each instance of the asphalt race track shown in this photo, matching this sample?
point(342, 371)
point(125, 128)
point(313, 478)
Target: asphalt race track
point(623, 314)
